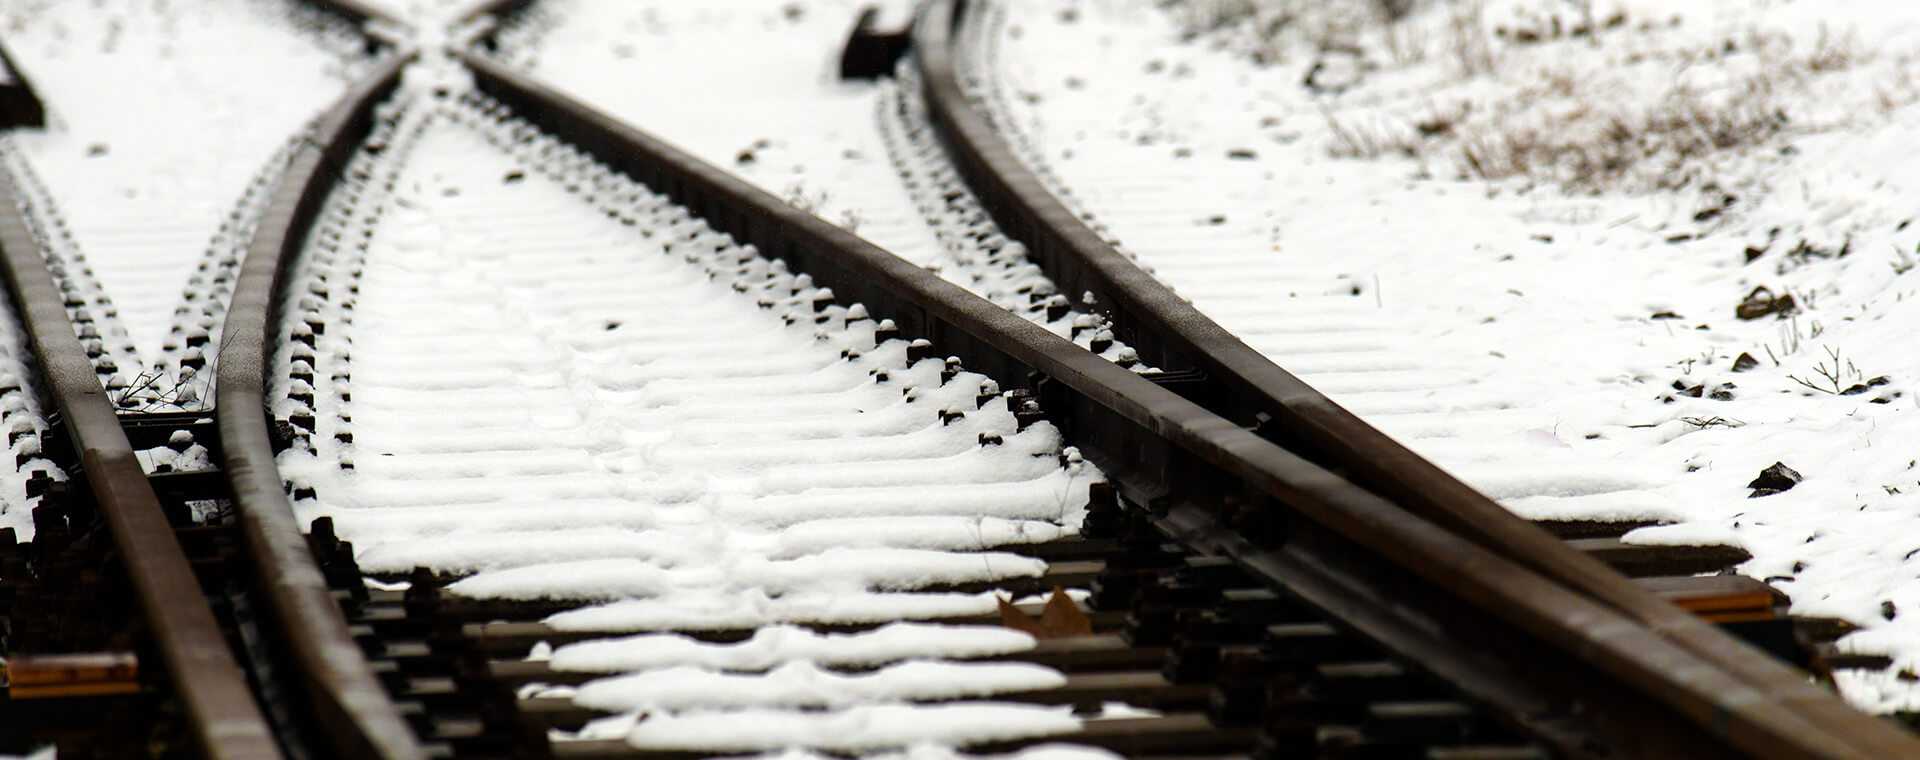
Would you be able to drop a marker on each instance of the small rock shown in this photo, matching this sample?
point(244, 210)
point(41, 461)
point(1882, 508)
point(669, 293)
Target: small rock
point(1888, 611)
point(1762, 302)
point(1744, 362)
point(1242, 154)
point(1663, 314)
point(1776, 478)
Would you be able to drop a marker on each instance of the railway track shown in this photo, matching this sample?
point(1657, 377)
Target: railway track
point(109, 488)
point(540, 437)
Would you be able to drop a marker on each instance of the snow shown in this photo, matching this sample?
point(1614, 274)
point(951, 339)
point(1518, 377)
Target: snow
point(853, 569)
point(806, 685)
point(1536, 328)
point(860, 728)
point(755, 608)
point(935, 752)
point(863, 156)
point(220, 88)
point(556, 385)
point(779, 645)
point(788, 127)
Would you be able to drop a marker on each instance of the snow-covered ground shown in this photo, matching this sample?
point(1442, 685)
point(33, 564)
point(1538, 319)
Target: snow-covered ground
point(1516, 237)
point(858, 154)
point(164, 124)
point(558, 385)
point(745, 84)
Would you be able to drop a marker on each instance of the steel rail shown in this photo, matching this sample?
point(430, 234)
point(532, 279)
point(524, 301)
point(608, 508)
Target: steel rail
point(1250, 389)
point(1209, 472)
point(223, 717)
point(495, 8)
point(358, 11)
point(358, 718)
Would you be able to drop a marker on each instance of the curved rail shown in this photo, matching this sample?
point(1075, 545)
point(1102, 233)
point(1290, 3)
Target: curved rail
point(1245, 386)
point(223, 716)
point(1220, 486)
point(358, 717)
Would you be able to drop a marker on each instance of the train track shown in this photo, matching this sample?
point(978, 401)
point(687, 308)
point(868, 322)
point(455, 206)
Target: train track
point(113, 489)
point(745, 482)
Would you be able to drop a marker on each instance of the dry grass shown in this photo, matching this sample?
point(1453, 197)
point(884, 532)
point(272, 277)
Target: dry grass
point(1275, 31)
point(1472, 49)
point(1662, 145)
point(1645, 113)
point(1609, 139)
